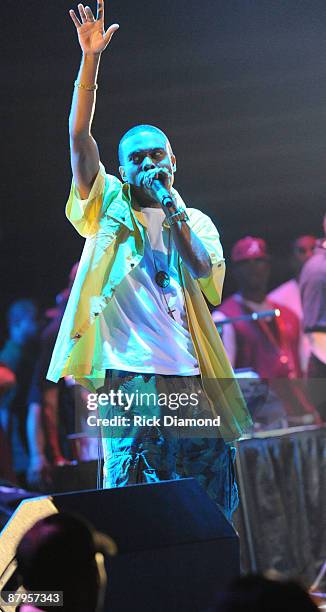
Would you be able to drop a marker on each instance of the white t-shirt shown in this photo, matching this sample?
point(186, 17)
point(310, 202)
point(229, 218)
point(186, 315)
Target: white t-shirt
point(138, 333)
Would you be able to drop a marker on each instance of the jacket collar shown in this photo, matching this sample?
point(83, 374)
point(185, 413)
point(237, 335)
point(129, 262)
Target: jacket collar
point(120, 207)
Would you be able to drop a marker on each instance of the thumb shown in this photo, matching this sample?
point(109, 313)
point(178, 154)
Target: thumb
point(110, 31)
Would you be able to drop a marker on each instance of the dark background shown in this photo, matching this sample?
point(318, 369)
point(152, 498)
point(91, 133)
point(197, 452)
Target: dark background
point(238, 86)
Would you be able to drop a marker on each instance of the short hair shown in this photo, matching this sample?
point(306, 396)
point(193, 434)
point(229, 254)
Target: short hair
point(141, 128)
point(58, 554)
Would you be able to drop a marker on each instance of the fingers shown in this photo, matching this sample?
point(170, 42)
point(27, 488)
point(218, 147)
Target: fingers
point(162, 174)
point(74, 18)
point(100, 10)
point(85, 13)
point(82, 13)
point(155, 173)
point(147, 181)
point(110, 31)
point(89, 14)
point(86, 16)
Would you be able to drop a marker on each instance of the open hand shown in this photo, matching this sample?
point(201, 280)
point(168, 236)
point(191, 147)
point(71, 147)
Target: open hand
point(92, 37)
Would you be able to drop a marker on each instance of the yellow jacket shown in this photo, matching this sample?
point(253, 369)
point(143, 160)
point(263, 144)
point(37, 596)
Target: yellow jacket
point(114, 234)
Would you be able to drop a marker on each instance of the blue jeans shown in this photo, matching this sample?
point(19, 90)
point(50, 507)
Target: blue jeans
point(150, 453)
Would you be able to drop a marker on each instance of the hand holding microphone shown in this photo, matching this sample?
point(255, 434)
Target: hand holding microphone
point(154, 180)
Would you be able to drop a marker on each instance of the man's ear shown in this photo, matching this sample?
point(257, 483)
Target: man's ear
point(174, 163)
point(122, 173)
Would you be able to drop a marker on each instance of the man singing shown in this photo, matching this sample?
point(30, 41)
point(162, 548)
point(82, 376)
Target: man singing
point(136, 319)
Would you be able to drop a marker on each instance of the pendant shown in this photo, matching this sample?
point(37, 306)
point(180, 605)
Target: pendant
point(162, 279)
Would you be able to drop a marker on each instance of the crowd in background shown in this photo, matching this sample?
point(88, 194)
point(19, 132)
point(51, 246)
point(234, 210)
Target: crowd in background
point(36, 416)
point(275, 341)
point(269, 341)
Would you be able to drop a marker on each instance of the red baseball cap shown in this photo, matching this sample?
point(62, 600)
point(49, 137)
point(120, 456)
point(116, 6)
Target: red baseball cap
point(249, 248)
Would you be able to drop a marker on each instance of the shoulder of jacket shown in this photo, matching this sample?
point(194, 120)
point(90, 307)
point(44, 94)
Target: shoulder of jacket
point(112, 183)
point(195, 215)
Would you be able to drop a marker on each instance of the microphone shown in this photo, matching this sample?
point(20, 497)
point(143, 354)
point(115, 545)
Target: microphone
point(162, 194)
point(253, 316)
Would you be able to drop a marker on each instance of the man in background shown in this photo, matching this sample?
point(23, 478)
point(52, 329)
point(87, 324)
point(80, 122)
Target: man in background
point(50, 406)
point(63, 552)
point(313, 295)
point(288, 294)
point(270, 345)
point(19, 354)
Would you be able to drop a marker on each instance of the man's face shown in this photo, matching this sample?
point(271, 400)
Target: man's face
point(25, 329)
point(302, 251)
point(252, 274)
point(28, 327)
point(143, 152)
point(304, 248)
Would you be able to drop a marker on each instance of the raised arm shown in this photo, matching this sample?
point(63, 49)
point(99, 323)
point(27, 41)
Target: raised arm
point(93, 39)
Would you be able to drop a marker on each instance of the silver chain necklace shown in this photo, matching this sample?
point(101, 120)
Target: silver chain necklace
point(162, 277)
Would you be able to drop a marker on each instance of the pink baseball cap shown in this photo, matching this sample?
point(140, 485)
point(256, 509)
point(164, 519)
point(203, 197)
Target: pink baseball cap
point(249, 248)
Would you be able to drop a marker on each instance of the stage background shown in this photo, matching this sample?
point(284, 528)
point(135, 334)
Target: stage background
point(239, 87)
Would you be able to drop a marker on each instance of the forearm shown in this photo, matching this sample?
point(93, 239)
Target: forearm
point(189, 247)
point(83, 148)
point(191, 250)
point(51, 421)
point(34, 430)
point(83, 100)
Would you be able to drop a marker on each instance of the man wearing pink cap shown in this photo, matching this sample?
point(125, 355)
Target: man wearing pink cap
point(269, 346)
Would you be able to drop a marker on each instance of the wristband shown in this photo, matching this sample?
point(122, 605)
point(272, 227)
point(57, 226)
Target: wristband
point(179, 215)
point(87, 87)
